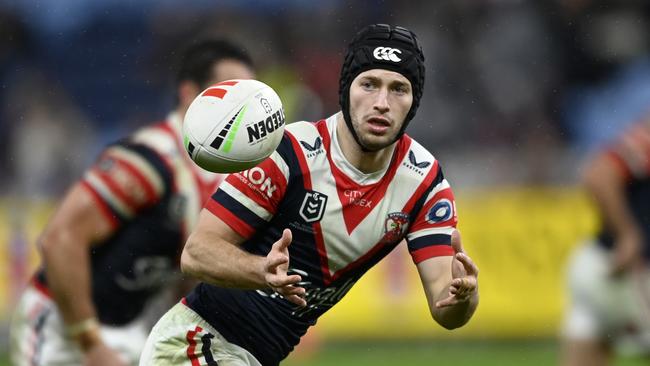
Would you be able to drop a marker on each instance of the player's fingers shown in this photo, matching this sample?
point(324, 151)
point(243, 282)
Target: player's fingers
point(464, 284)
point(297, 300)
point(449, 301)
point(284, 241)
point(274, 261)
point(468, 264)
point(292, 290)
point(456, 242)
point(277, 281)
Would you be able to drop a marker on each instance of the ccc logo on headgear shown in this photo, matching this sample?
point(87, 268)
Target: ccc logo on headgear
point(387, 54)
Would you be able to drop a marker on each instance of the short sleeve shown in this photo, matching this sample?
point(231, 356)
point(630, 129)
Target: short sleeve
point(127, 179)
point(631, 152)
point(247, 200)
point(429, 234)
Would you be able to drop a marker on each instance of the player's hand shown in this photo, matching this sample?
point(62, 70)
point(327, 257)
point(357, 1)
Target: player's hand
point(276, 267)
point(464, 273)
point(102, 355)
point(627, 253)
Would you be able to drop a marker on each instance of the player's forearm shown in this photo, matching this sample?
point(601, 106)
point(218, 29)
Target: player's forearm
point(457, 315)
point(607, 187)
point(67, 269)
point(223, 264)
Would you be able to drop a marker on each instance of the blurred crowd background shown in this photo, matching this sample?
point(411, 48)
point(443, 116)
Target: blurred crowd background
point(517, 92)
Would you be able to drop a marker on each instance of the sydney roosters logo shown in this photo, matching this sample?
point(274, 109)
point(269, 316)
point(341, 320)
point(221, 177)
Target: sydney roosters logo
point(395, 227)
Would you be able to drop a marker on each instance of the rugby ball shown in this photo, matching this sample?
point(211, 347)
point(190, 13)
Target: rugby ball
point(233, 125)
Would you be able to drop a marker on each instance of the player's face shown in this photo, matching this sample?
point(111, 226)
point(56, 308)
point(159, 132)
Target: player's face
point(379, 102)
point(228, 69)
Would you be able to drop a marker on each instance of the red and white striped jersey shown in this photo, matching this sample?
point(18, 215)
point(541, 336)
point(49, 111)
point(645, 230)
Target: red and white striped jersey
point(151, 192)
point(343, 222)
point(631, 152)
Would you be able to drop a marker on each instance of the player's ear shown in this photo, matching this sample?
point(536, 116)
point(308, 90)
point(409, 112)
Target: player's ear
point(187, 91)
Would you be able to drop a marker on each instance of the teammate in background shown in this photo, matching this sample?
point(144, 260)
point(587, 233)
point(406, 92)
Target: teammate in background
point(609, 277)
point(341, 194)
point(116, 238)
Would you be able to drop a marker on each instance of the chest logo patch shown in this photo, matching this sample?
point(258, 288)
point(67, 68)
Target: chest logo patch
point(395, 227)
point(313, 206)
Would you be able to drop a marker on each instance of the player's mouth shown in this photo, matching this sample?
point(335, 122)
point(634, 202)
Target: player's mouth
point(378, 125)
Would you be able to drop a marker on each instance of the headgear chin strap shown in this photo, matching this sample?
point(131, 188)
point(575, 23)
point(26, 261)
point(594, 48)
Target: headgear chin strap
point(381, 46)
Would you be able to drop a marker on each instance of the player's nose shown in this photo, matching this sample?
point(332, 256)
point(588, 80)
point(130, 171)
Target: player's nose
point(381, 101)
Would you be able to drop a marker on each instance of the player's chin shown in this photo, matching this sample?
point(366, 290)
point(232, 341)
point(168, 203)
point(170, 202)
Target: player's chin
point(375, 143)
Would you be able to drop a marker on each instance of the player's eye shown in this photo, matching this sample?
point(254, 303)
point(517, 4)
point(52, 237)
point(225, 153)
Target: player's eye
point(367, 84)
point(400, 89)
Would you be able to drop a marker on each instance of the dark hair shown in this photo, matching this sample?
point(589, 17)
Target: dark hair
point(197, 60)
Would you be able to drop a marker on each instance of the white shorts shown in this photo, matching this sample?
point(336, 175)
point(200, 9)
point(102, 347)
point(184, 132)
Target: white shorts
point(37, 335)
point(182, 338)
point(605, 308)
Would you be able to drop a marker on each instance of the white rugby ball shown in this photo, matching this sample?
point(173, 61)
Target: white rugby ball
point(233, 125)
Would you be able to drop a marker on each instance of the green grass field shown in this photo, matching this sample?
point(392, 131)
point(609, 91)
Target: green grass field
point(441, 353)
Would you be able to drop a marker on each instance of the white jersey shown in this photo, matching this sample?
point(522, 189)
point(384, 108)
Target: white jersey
point(343, 222)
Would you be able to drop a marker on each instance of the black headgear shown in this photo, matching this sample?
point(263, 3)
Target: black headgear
point(381, 46)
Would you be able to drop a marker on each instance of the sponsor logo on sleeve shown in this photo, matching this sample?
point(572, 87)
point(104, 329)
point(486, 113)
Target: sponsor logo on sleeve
point(441, 211)
point(256, 178)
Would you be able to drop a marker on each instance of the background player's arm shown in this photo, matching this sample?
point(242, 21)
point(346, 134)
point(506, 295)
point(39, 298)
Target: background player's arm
point(606, 181)
point(65, 244)
point(212, 254)
point(451, 286)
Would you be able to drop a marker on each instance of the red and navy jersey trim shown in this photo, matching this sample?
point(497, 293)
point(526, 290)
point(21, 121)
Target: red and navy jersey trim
point(249, 221)
point(155, 160)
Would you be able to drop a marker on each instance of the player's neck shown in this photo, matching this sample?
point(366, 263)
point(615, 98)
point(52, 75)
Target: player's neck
point(366, 162)
point(180, 112)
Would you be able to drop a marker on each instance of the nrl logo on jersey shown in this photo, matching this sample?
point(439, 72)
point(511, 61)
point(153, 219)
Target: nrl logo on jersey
point(414, 165)
point(395, 227)
point(313, 150)
point(313, 206)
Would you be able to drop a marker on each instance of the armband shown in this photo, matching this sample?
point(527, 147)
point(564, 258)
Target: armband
point(81, 327)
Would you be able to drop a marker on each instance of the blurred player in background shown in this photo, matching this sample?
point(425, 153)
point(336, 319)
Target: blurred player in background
point(609, 278)
point(338, 195)
point(116, 238)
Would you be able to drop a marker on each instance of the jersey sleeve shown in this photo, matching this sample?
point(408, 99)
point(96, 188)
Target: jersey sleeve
point(247, 200)
point(632, 152)
point(429, 234)
point(126, 179)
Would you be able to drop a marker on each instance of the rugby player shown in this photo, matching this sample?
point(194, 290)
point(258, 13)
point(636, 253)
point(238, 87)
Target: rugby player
point(281, 243)
point(609, 276)
point(116, 238)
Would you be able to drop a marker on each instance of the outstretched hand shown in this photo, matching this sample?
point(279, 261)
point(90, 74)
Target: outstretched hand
point(464, 273)
point(627, 254)
point(276, 267)
point(102, 355)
